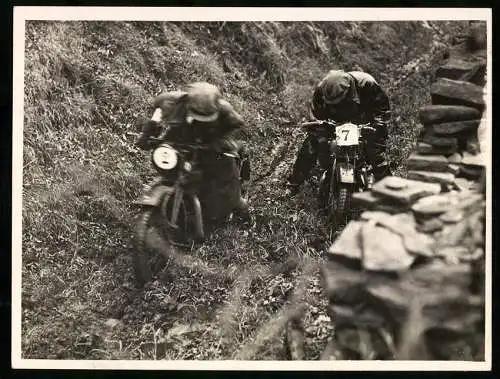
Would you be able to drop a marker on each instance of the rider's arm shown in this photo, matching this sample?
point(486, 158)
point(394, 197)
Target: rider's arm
point(318, 109)
point(230, 126)
point(231, 121)
point(376, 100)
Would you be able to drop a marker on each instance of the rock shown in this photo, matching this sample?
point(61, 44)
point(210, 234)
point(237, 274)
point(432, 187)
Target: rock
point(348, 244)
point(472, 145)
point(463, 184)
point(430, 225)
point(432, 177)
point(383, 250)
point(433, 205)
point(471, 172)
point(404, 225)
point(436, 114)
point(452, 128)
point(412, 192)
point(340, 282)
point(454, 169)
point(452, 217)
point(476, 75)
point(448, 143)
point(455, 69)
point(365, 200)
point(456, 92)
point(434, 163)
point(473, 160)
point(387, 295)
point(453, 253)
point(428, 149)
point(455, 158)
point(112, 323)
point(476, 40)
point(452, 235)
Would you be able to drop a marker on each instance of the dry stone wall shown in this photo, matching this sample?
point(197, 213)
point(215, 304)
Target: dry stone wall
point(406, 279)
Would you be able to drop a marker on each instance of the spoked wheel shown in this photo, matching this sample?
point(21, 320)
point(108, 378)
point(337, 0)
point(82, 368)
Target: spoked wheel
point(343, 206)
point(154, 243)
point(147, 260)
point(339, 205)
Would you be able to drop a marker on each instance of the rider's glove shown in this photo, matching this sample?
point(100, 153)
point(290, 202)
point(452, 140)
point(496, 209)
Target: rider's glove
point(149, 128)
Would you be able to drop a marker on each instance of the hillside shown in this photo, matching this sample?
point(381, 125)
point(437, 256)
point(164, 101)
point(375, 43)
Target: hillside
point(89, 83)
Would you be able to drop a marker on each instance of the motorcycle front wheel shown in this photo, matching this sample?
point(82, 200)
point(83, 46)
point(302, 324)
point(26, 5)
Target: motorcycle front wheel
point(339, 204)
point(152, 246)
point(343, 206)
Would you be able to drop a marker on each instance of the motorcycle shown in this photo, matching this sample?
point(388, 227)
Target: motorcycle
point(172, 205)
point(348, 170)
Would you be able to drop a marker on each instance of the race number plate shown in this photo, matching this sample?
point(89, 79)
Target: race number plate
point(346, 173)
point(347, 135)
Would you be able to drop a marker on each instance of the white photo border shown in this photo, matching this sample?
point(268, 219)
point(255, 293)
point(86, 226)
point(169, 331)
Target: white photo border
point(22, 14)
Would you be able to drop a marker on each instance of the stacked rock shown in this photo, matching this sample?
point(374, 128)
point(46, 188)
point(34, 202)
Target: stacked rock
point(406, 279)
point(450, 124)
point(415, 242)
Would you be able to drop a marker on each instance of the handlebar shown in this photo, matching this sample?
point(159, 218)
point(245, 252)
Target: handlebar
point(311, 124)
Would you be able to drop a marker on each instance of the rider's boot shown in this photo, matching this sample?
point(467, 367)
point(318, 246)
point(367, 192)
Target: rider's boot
point(242, 212)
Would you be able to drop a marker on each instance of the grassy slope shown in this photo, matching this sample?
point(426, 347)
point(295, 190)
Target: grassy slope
point(86, 86)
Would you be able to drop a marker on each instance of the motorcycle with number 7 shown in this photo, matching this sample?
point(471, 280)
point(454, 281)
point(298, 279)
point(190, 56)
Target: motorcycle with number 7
point(348, 170)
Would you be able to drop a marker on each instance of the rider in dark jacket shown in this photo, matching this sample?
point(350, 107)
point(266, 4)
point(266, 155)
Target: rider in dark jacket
point(200, 114)
point(346, 96)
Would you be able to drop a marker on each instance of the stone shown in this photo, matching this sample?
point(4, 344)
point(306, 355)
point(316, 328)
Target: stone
point(391, 297)
point(452, 217)
point(430, 225)
point(348, 243)
point(423, 148)
point(453, 253)
point(413, 191)
point(476, 75)
point(339, 281)
point(404, 225)
point(456, 92)
point(383, 250)
point(448, 143)
point(455, 69)
point(365, 199)
point(433, 163)
point(452, 128)
point(436, 114)
point(432, 177)
point(471, 172)
point(452, 235)
point(433, 205)
point(472, 144)
point(453, 168)
point(455, 158)
point(463, 184)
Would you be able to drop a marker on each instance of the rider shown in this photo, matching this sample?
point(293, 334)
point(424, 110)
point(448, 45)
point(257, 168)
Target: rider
point(200, 114)
point(341, 97)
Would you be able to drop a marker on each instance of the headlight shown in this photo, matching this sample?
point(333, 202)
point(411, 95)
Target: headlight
point(165, 157)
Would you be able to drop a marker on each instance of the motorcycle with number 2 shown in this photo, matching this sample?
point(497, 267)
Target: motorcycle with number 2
point(172, 208)
point(348, 170)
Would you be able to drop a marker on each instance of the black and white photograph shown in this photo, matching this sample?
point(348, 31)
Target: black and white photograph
point(247, 188)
